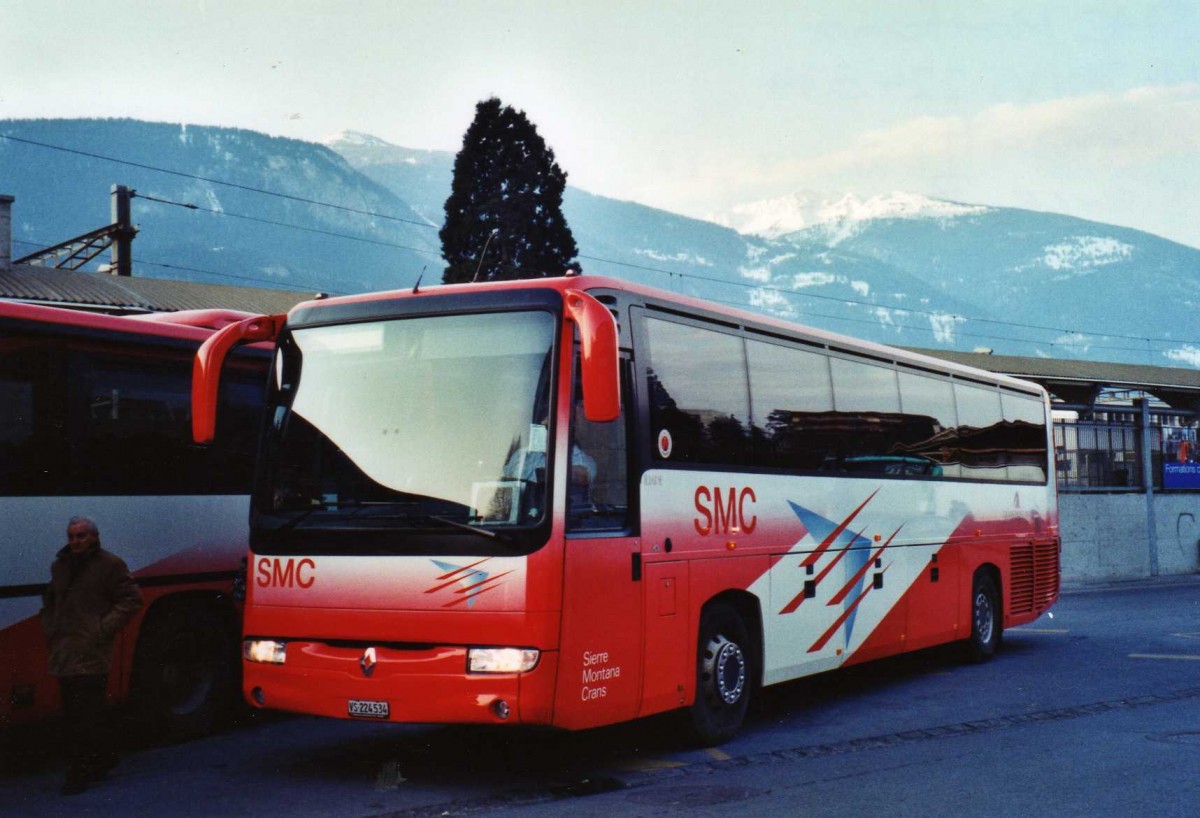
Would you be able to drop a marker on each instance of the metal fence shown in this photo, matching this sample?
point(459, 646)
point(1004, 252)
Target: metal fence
point(1094, 455)
point(1107, 456)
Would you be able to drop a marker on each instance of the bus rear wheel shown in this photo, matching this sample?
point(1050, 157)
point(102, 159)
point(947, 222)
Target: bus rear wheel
point(723, 678)
point(985, 619)
point(185, 675)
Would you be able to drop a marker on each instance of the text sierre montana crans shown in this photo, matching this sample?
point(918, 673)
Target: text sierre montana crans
point(597, 671)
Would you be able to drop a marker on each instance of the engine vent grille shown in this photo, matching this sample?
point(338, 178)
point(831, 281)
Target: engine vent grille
point(1035, 577)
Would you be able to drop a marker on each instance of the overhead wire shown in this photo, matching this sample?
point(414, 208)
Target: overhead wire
point(260, 220)
point(875, 305)
point(787, 291)
point(258, 281)
point(960, 331)
point(210, 180)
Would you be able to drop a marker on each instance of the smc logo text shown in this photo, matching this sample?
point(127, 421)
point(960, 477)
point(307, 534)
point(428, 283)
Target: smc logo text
point(287, 573)
point(724, 511)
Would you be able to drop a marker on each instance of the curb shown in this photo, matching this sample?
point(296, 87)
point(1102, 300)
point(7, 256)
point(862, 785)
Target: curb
point(1070, 587)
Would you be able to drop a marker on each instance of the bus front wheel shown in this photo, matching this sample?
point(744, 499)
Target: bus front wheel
point(985, 619)
point(723, 678)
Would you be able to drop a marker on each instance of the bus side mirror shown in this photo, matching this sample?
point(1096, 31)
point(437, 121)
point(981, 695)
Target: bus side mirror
point(600, 359)
point(210, 358)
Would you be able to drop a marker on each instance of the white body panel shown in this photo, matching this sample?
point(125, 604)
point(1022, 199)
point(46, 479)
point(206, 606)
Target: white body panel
point(154, 535)
point(799, 522)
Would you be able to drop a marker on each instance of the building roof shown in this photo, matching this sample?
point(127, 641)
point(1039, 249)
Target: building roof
point(129, 294)
point(1079, 382)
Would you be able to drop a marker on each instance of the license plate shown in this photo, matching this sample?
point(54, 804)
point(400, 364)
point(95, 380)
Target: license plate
point(366, 709)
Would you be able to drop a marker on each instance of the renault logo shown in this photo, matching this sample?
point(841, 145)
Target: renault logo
point(367, 662)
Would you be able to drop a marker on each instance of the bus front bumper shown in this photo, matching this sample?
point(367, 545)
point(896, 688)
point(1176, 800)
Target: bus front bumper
point(421, 685)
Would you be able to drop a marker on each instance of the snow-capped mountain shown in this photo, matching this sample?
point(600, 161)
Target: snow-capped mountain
point(839, 214)
point(362, 214)
point(1025, 282)
point(350, 139)
point(421, 177)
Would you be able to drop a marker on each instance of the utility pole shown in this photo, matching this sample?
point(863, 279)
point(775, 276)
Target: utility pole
point(1146, 433)
point(123, 232)
point(74, 253)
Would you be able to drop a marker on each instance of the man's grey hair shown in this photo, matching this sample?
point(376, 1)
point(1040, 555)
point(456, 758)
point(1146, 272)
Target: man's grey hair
point(87, 522)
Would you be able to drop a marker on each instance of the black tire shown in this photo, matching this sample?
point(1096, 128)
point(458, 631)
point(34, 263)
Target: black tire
point(186, 672)
point(986, 620)
point(723, 676)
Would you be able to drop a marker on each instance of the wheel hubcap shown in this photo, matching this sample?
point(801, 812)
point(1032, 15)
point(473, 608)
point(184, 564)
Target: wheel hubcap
point(726, 668)
point(983, 617)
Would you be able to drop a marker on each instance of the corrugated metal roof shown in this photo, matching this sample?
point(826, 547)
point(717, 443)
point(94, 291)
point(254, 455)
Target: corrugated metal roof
point(1060, 370)
point(100, 291)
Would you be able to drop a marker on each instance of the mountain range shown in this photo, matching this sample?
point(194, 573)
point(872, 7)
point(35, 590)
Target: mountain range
point(357, 213)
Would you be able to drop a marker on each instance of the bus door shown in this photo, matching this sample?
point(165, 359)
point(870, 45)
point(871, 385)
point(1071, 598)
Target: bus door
point(601, 648)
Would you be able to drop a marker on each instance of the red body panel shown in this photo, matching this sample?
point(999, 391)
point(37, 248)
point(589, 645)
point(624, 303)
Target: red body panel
point(420, 685)
point(23, 660)
point(600, 668)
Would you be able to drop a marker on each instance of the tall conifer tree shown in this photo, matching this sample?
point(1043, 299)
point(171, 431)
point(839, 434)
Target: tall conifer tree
point(504, 215)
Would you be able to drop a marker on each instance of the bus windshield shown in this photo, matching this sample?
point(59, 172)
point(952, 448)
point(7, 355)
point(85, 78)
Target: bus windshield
point(411, 423)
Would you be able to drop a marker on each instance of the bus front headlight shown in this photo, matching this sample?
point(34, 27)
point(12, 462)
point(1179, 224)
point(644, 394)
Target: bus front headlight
point(266, 651)
point(501, 660)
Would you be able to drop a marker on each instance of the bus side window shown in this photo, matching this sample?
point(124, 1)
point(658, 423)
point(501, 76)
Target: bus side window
point(697, 389)
point(980, 453)
point(31, 450)
point(598, 487)
point(794, 426)
point(1025, 438)
point(129, 427)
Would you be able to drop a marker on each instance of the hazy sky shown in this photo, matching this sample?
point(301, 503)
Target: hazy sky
point(1090, 108)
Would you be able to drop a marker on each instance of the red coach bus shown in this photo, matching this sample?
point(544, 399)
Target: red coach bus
point(95, 419)
point(577, 501)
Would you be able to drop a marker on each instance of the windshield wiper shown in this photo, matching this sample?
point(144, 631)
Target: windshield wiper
point(477, 529)
point(301, 517)
point(355, 507)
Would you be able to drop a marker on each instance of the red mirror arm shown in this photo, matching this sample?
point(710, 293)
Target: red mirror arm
point(601, 367)
point(210, 358)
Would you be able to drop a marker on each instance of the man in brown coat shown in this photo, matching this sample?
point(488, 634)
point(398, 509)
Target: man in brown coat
point(90, 598)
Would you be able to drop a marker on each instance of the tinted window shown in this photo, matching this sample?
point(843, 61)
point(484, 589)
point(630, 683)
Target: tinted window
point(928, 403)
point(1023, 409)
point(872, 431)
point(819, 412)
point(699, 408)
point(792, 399)
point(864, 387)
point(928, 396)
point(130, 421)
point(89, 417)
point(31, 447)
point(1025, 438)
point(976, 450)
point(978, 406)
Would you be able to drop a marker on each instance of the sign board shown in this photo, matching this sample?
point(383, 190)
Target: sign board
point(1181, 475)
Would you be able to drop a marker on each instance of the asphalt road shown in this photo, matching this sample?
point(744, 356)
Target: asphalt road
point(1093, 712)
